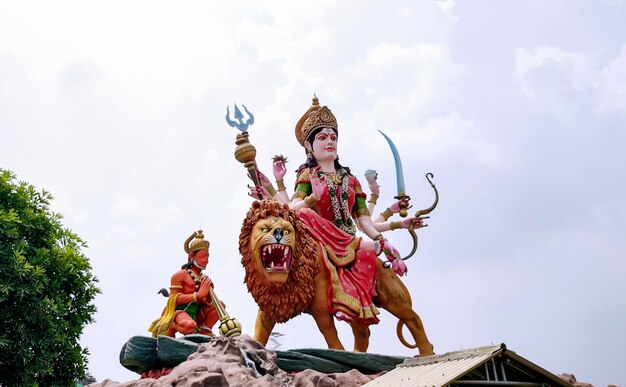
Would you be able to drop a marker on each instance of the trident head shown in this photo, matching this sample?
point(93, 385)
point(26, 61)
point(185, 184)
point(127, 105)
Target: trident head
point(239, 123)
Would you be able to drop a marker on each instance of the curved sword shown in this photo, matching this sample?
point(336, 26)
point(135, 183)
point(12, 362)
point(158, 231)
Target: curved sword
point(402, 194)
point(398, 162)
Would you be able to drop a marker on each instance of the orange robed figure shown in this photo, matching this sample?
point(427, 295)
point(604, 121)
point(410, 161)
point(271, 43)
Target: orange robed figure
point(190, 307)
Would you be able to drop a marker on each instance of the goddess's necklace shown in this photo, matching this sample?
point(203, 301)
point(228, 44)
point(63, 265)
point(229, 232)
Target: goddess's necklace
point(337, 183)
point(334, 177)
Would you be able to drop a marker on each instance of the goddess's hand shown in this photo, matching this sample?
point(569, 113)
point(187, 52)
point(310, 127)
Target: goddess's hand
point(279, 167)
point(372, 181)
point(393, 256)
point(395, 207)
point(265, 182)
point(317, 187)
point(399, 267)
point(258, 193)
point(415, 222)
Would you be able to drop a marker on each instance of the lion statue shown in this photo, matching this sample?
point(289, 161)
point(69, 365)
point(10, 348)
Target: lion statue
point(285, 275)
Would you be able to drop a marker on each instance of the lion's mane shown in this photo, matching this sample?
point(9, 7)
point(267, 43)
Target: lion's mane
point(285, 301)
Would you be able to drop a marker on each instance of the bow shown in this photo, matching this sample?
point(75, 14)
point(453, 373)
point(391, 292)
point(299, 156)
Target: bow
point(423, 212)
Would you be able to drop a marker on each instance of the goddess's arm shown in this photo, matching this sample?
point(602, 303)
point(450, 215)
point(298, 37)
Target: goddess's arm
point(309, 190)
point(364, 221)
point(367, 226)
point(378, 244)
point(267, 191)
point(393, 209)
point(381, 245)
point(406, 223)
point(370, 206)
point(303, 190)
point(279, 169)
point(302, 198)
point(281, 197)
point(372, 180)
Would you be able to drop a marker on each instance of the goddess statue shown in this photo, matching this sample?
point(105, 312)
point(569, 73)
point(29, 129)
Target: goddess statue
point(331, 202)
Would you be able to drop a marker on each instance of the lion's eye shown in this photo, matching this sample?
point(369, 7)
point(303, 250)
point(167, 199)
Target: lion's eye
point(285, 232)
point(265, 229)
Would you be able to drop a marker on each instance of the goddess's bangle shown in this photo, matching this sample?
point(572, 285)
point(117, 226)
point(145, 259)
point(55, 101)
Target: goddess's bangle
point(387, 213)
point(271, 190)
point(195, 299)
point(395, 225)
point(281, 185)
point(310, 201)
point(373, 198)
point(381, 245)
point(378, 237)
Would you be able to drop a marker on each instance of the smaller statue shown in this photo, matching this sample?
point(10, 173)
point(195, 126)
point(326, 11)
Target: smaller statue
point(191, 302)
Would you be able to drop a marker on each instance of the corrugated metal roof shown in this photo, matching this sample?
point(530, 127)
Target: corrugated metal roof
point(485, 366)
point(436, 370)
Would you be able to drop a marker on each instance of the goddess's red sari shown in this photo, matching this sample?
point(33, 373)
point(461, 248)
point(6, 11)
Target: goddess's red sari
point(351, 271)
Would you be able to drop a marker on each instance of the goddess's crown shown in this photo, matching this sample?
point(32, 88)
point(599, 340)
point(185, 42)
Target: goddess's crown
point(315, 117)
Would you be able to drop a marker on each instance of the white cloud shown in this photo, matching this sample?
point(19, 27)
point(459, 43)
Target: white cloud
point(447, 7)
point(564, 82)
point(452, 137)
point(576, 66)
point(402, 81)
point(612, 85)
point(129, 207)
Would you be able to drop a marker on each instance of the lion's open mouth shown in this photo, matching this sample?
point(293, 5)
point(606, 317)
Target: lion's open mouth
point(276, 257)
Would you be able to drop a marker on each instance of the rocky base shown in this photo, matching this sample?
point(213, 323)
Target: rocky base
point(197, 360)
point(571, 379)
point(219, 361)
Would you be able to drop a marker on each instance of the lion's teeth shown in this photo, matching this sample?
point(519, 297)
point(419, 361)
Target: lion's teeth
point(285, 254)
point(269, 249)
point(272, 266)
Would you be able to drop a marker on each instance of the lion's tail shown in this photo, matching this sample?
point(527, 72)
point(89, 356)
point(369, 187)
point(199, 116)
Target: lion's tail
point(401, 337)
point(401, 324)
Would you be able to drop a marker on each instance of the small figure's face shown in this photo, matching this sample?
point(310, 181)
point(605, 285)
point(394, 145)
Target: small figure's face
point(201, 259)
point(324, 145)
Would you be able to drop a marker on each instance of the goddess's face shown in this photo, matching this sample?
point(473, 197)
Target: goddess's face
point(324, 145)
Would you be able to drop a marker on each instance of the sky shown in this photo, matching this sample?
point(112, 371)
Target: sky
point(517, 108)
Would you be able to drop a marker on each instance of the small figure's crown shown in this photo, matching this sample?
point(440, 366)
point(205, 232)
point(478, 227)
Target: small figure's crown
point(315, 117)
point(196, 242)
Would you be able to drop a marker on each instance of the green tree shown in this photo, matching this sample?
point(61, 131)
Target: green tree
point(89, 379)
point(46, 291)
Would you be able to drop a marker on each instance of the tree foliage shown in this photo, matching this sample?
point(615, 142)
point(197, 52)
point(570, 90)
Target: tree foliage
point(46, 291)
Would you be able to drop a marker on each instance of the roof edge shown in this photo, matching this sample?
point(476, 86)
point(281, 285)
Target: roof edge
point(515, 357)
point(490, 350)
